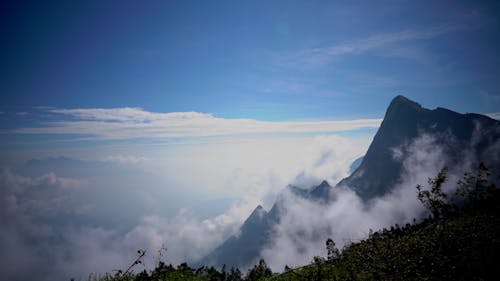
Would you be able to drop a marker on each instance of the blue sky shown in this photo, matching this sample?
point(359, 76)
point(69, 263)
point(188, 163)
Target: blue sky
point(266, 60)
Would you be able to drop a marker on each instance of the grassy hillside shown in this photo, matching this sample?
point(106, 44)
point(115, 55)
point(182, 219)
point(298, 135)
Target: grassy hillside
point(465, 247)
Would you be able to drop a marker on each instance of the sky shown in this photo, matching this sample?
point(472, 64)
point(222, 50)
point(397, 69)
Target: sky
point(191, 113)
point(266, 60)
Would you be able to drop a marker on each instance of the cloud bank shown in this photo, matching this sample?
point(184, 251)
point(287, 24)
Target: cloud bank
point(136, 123)
point(67, 222)
point(495, 115)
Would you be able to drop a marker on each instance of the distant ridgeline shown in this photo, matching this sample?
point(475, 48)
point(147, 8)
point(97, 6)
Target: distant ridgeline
point(468, 136)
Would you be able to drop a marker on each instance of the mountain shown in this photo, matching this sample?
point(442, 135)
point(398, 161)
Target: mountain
point(355, 164)
point(404, 121)
point(378, 170)
point(244, 247)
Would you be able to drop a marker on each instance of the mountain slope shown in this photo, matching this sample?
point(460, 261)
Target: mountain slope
point(405, 120)
point(379, 170)
point(243, 248)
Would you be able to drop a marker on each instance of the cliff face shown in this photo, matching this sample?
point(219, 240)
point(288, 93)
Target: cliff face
point(404, 121)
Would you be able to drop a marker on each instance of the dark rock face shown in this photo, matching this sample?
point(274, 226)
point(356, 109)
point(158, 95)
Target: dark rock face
point(355, 164)
point(243, 248)
point(404, 121)
point(378, 171)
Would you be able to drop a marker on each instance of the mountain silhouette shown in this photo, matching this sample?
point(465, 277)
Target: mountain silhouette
point(244, 247)
point(404, 121)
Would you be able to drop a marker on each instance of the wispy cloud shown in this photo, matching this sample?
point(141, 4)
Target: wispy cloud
point(124, 159)
point(322, 55)
point(136, 123)
point(127, 114)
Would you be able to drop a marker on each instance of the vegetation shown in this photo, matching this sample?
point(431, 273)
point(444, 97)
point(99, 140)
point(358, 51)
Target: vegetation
point(462, 248)
point(459, 241)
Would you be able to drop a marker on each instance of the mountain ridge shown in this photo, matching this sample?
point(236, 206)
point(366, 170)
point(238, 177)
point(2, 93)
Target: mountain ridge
point(405, 120)
point(378, 172)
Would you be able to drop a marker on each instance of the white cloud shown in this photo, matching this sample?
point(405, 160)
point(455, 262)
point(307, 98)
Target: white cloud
point(124, 159)
point(123, 114)
point(135, 123)
point(331, 157)
point(495, 115)
point(17, 183)
point(322, 55)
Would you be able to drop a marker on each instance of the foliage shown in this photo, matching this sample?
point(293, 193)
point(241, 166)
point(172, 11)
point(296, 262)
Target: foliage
point(259, 271)
point(435, 199)
point(475, 188)
point(332, 253)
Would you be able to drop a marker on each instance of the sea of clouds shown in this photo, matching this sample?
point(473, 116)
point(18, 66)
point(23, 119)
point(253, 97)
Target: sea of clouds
point(51, 225)
point(61, 224)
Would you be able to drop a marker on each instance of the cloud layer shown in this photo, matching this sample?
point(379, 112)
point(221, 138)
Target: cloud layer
point(64, 226)
point(136, 123)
